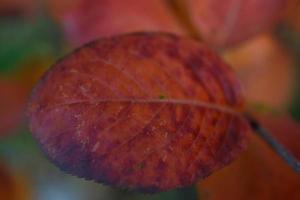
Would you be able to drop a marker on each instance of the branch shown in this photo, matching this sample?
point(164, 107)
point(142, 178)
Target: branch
point(274, 144)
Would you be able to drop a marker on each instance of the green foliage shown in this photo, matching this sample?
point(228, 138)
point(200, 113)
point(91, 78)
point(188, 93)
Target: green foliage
point(22, 40)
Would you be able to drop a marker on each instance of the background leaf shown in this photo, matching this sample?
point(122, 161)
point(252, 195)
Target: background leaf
point(86, 20)
point(229, 22)
point(266, 70)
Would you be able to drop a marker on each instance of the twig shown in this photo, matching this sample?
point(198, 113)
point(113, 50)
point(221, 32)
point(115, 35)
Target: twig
point(274, 144)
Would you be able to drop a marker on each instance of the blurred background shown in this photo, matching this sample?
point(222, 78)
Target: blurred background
point(260, 39)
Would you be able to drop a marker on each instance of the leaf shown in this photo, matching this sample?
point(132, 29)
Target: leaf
point(98, 113)
point(259, 173)
point(86, 20)
point(259, 64)
point(229, 22)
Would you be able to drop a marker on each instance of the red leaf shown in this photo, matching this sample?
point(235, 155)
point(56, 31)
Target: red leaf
point(260, 63)
point(91, 19)
point(227, 22)
point(143, 111)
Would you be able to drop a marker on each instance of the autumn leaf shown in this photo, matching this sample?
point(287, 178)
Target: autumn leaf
point(259, 173)
point(229, 22)
point(266, 70)
point(99, 112)
point(86, 20)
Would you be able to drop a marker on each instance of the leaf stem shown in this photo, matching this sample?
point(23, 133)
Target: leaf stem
point(274, 144)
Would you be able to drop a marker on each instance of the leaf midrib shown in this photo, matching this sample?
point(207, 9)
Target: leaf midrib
point(195, 103)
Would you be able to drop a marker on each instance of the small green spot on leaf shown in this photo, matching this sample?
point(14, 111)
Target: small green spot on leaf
point(162, 97)
point(141, 165)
